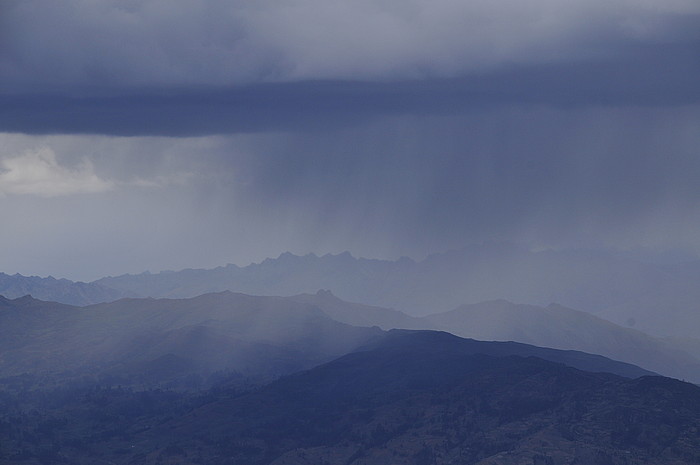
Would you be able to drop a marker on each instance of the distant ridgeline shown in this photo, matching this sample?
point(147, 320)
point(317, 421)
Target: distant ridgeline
point(625, 289)
point(57, 290)
point(660, 299)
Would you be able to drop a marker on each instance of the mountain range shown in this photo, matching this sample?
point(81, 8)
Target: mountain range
point(176, 342)
point(268, 336)
point(165, 342)
point(175, 367)
point(658, 297)
point(56, 290)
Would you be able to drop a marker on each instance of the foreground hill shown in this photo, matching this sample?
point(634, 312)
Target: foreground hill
point(425, 397)
point(660, 299)
point(408, 398)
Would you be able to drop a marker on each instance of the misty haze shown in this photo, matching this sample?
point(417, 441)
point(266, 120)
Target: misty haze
point(349, 233)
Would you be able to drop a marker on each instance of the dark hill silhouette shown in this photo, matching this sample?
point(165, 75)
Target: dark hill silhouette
point(553, 326)
point(427, 397)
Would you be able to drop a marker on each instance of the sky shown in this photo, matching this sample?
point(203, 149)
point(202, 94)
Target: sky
point(153, 134)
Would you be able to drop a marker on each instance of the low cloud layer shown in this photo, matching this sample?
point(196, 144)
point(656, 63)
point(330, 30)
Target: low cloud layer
point(37, 172)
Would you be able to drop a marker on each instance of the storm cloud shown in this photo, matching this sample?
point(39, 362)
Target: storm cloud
point(232, 131)
point(80, 44)
point(201, 67)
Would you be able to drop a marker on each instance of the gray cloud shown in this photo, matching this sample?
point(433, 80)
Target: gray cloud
point(164, 201)
point(662, 75)
point(232, 131)
point(117, 43)
point(37, 172)
point(205, 67)
point(386, 187)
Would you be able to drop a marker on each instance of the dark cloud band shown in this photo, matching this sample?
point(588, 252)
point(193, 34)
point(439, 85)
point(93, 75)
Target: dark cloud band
point(659, 75)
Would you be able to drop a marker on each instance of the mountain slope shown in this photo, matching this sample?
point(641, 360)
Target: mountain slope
point(408, 397)
point(564, 328)
point(359, 314)
point(553, 326)
point(194, 333)
point(128, 340)
point(421, 397)
point(144, 342)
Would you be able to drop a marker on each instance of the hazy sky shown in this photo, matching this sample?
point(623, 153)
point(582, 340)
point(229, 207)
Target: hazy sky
point(164, 134)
